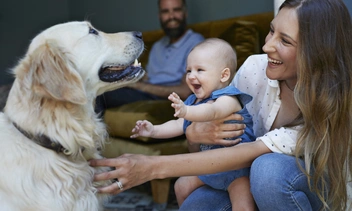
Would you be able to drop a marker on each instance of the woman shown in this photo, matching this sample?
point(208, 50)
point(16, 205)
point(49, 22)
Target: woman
point(301, 106)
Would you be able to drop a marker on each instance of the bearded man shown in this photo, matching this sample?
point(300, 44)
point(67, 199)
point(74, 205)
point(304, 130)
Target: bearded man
point(166, 65)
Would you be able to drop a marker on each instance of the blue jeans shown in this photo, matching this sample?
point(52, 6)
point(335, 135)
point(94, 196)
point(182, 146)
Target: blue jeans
point(222, 180)
point(277, 183)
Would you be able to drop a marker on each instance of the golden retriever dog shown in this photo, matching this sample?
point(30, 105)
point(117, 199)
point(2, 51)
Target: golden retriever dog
point(49, 130)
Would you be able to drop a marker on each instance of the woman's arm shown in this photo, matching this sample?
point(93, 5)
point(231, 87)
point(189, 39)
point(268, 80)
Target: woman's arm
point(133, 170)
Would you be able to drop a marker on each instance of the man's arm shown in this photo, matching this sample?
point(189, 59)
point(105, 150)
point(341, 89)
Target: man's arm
point(164, 91)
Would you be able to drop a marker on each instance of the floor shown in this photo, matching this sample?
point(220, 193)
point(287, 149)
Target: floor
point(140, 199)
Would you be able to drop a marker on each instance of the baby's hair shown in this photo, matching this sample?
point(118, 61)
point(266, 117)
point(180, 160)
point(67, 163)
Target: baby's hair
point(225, 52)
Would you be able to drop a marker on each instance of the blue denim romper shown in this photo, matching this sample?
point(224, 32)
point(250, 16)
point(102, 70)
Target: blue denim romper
point(222, 180)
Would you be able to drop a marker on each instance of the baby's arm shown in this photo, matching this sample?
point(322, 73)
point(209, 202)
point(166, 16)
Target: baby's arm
point(169, 129)
point(221, 108)
point(143, 128)
point(178, 105)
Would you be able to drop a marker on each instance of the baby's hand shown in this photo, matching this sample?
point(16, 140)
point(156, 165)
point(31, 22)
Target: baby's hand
point(178, 105)
point(142, 128)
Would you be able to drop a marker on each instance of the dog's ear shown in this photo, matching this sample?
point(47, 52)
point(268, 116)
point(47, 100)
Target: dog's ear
point(54, 76)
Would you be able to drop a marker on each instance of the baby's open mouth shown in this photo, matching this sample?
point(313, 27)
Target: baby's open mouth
point(196, 86)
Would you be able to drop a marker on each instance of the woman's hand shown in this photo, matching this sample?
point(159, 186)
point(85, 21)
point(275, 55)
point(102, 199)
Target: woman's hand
point(131, 170)
point(215, 132)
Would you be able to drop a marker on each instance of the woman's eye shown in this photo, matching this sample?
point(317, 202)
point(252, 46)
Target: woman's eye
point(93, 31)
point(271, 31)
point(285, 41)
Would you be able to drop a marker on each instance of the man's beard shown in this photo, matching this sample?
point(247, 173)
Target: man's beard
point(174, 33)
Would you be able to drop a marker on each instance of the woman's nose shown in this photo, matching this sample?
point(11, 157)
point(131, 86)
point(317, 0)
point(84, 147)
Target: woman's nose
point(269, 45)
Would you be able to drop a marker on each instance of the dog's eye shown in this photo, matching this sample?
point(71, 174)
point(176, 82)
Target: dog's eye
point(93, 31)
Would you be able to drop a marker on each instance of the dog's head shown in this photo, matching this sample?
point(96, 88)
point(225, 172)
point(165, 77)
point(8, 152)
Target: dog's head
point(65, 68)
point(74, 62)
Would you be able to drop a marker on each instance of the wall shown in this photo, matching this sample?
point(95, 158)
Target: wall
point(142, 15)
point(349, 5)
point(21, 20)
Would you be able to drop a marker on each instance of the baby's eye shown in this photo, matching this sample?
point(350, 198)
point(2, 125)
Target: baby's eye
point(93, 31)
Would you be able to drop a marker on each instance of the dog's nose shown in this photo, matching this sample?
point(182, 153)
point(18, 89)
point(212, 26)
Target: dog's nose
point(138, 34)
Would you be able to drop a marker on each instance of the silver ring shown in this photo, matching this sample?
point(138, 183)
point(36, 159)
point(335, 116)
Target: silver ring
point(119, 184)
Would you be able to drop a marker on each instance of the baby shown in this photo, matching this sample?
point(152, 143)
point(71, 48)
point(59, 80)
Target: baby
point(211, 66)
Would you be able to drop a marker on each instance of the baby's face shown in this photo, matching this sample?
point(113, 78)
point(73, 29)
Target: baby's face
point(204, 68)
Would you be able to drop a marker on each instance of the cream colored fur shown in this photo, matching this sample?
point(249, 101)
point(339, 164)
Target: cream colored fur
point(53, 94)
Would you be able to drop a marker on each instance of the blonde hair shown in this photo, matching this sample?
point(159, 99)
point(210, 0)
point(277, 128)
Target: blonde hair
point(324, 94)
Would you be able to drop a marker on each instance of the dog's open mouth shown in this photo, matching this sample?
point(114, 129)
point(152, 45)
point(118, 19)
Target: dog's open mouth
point(121, 73)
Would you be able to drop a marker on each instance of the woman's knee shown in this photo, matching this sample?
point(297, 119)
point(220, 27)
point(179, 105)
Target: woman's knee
point(273, 170)
point(277, 180)
point(206, 198)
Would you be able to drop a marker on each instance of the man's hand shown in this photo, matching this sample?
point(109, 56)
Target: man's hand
point(136, 85)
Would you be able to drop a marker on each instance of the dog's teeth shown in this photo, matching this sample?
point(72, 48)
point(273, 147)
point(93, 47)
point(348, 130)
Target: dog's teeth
point(136, 63)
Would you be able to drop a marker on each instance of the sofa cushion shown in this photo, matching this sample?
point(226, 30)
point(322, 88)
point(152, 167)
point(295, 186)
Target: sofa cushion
point(242, 36)
point(116, 146)
point(121, 120)
point(227, 29)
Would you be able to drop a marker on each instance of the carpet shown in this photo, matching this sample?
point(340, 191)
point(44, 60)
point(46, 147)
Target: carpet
point(140, 199)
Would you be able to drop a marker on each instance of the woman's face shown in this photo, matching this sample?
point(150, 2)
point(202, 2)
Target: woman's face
point(281, 47)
